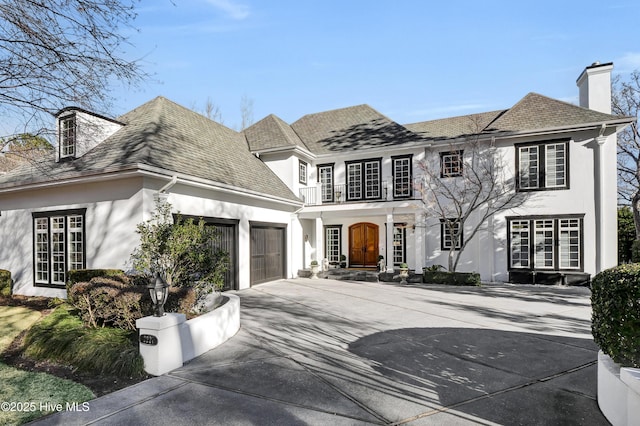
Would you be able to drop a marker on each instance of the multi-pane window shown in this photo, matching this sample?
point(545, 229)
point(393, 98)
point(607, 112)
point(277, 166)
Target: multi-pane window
point(332, 243)
point(543, 166)
point(402, 177)
point(363, 180)
point(545, 243)
point(399, 243)
point(520, 243)
point(302, 171)
point(450, 234)
point(325, 177)
point(59, 245)
point(68, 137)
point(451, 164)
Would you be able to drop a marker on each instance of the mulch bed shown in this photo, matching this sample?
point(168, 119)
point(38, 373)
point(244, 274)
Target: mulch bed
point(14, 356)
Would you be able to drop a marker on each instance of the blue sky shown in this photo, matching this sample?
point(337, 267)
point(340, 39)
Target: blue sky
point(412, 60)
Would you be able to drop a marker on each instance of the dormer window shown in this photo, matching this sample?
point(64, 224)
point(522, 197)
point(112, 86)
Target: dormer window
point(68, 139)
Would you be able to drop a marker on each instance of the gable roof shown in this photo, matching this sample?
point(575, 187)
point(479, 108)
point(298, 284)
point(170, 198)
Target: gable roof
point(532, 113)
point(165, 135)
point(350, 128)
point(271, 132)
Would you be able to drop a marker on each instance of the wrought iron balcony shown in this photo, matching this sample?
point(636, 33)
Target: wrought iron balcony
point(342, 193)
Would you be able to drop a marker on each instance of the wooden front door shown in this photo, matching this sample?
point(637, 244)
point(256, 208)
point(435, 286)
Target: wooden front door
point(363, 245)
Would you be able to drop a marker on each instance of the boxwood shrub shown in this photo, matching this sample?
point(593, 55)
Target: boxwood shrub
point(615, 320)
point(5, 283)
point(450, 278)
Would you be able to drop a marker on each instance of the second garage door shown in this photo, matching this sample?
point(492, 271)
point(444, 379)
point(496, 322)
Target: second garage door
point(268, 252)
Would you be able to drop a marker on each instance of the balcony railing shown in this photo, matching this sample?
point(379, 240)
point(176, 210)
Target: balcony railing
point(340, 193)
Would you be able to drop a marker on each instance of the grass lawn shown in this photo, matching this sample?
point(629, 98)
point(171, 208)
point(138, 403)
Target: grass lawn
point(29, 394)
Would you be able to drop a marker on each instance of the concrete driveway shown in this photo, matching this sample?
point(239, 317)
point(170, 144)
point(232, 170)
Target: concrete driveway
point(329, 352)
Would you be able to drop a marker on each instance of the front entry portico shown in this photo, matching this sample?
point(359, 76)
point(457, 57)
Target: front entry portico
point(363, 245)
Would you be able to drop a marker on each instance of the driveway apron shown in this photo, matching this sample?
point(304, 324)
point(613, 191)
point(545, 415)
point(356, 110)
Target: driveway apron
point(333, 352)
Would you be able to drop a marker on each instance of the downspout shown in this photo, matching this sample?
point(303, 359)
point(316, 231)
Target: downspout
point(162, 192)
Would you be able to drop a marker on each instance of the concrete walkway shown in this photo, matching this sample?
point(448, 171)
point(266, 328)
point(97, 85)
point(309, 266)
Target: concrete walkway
point(326, 352)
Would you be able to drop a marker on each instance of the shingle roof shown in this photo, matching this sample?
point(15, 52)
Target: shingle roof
point(454, 127)
point(350, 128)
point(166, 135)
point(533, 112)
point(271, 132)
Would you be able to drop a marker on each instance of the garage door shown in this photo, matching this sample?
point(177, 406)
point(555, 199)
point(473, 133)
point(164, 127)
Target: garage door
point(228, 241)
point(268, 252)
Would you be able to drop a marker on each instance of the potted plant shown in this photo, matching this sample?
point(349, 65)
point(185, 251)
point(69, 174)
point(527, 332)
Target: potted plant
point(343, 261)
point(314, 269)
point(404, 273)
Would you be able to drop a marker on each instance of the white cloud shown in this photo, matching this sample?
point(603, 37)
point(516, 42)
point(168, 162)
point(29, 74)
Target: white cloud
point(235, 10)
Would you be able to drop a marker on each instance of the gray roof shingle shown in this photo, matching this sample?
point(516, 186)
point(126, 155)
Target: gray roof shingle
point(271, 132)
point(533, 112)
point(166, 135)
point(349, 129)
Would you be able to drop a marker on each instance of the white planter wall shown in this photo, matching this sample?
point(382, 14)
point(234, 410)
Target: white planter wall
point(618, 392)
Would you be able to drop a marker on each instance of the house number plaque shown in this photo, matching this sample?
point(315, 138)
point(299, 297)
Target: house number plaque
point(148, 339)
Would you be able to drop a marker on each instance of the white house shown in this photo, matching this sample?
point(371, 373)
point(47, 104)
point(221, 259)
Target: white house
point(339, 182)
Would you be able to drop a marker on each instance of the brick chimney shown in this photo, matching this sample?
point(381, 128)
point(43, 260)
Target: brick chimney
point(594, 85)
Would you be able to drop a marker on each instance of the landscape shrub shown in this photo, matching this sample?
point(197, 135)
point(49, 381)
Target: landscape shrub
point(116, 302)
point(615, 318)
point(5, 282)
point(61, 337)
point(451, 278)
point(85, 275)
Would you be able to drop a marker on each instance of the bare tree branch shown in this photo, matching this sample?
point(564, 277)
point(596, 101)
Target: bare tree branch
point(58, 53)
point(480, 188)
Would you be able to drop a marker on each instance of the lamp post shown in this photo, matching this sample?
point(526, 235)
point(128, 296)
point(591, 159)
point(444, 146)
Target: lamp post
point(159, 290)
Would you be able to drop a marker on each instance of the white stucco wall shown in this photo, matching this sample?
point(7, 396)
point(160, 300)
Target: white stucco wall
point(112, 210)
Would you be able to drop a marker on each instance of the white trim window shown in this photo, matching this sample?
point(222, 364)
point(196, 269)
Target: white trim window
point(59, 245)
point(363, 180)
point(450, 234)
point(546, 243)
point(302, 172)
point(68, 137)
point(399, 243)
point(402, 176)
point(451, 164)
point(332, 242)
point(325, 177)
point(543, 166)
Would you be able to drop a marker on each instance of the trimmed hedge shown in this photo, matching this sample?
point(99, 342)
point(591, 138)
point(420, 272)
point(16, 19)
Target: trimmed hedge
point(5, 282)
point(451, 278)
point(116, 302)
point(85, 275)
point(615, 319)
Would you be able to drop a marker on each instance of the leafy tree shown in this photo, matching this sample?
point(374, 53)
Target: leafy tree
point(626, 101)
point(181, 251)
point(626, 234)
point(56, 53)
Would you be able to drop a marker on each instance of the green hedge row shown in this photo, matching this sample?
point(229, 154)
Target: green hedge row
point(451, 278)
point(5, 283)
point(615, 320)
